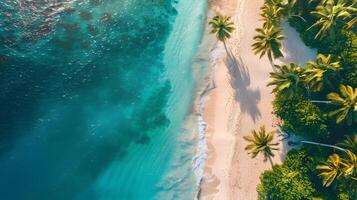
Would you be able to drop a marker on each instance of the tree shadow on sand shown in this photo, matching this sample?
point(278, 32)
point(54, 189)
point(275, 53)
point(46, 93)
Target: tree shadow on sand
point(247, 97)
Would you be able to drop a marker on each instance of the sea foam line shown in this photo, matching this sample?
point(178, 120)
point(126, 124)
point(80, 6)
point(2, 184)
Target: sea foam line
point(198, 161)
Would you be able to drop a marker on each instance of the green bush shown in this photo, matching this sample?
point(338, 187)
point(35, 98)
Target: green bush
point(346, 50)
point(285, 183)
point(282, 183)
point(299, 160)
point(300, 116)
point(344, 196)
point(345, 47)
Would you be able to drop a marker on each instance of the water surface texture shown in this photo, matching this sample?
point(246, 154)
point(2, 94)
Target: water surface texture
point(93, 97)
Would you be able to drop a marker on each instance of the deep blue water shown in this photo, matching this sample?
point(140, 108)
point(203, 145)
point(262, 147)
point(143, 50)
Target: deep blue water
point(92, 97)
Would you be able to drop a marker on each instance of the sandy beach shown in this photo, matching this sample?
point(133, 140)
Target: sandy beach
point(240, 102)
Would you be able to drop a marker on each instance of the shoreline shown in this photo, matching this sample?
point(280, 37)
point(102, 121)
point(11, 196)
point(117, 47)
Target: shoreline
point(211, 48)
point(239, 101)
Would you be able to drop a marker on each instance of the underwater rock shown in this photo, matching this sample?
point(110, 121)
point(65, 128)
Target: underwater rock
point(85, 45)
point(96, 2)
point(92, 30)
point(70, 27)
point(69, 10)
point(106, 17)
point(85, 15)
point(3, 58)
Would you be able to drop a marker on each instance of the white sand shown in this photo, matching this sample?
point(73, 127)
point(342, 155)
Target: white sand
point(241, 102)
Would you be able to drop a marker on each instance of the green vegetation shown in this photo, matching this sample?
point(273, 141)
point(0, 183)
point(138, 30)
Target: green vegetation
point(268, 42)
point(271, 14)
point(261, 142)
point(289, 181)
point(300, 116)
point(346, 101)
point(316, 101)
point(322, 73)
point(350, 143)
point(330, 16)
point(336, 167)
point(330, 169)
point(222, 27)
point(287, 79)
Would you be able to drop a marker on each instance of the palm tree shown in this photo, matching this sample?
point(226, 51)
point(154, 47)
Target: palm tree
point(350, 165)
point(323, 145)
point(321, 72)
point(347, 104)
point(330, 170)
point(330, 16)
point(351, 24)
point(337, 166)
point(350, 143)
point(287, 79)
point(298, 6)
point(283, 132)
point(271, 15)
point(268, 41)
point(223, 27)
point(261, 142)
point(353, 11)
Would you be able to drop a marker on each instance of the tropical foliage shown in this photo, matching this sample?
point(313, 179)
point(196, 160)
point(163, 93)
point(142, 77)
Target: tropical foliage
point(271, 15)
point(330, 15)
point(261, 142)
point(300, 116)
point(290, 181)
point(317, 101)
point(336, 167)
point(287, 79)
point(222, 27)
point(322, 72)
point(350, 143)
point(268, 41)
point(298, 6)
point(346, 103)
point(331, 169)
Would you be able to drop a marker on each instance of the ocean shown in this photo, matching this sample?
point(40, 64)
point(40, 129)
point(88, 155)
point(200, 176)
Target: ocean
point(96, 99)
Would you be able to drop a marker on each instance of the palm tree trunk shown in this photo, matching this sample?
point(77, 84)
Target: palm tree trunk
point(308, 91)
point(317, 101)
point(332, 34)
point(324, 145)
point(298, 17)
point(272, 64)
point(270, 161)
point(229, 53)
point(226, 48)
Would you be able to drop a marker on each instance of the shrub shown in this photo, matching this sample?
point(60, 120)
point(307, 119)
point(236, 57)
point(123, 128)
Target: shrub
point(344, 196)
point(346, 50)
point(290, 181)
point(300, 116)
point(299, 160)
point(283, 183)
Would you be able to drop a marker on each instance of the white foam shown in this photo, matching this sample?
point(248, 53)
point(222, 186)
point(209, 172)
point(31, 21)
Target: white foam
point(198, 161)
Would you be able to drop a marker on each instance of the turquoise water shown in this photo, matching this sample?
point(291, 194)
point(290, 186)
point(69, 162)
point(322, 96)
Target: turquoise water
point(93, 98)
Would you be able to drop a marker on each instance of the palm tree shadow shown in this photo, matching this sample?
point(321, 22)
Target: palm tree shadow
point(240, 82)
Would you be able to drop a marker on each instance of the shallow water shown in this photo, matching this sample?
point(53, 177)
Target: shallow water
point(93, 97)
